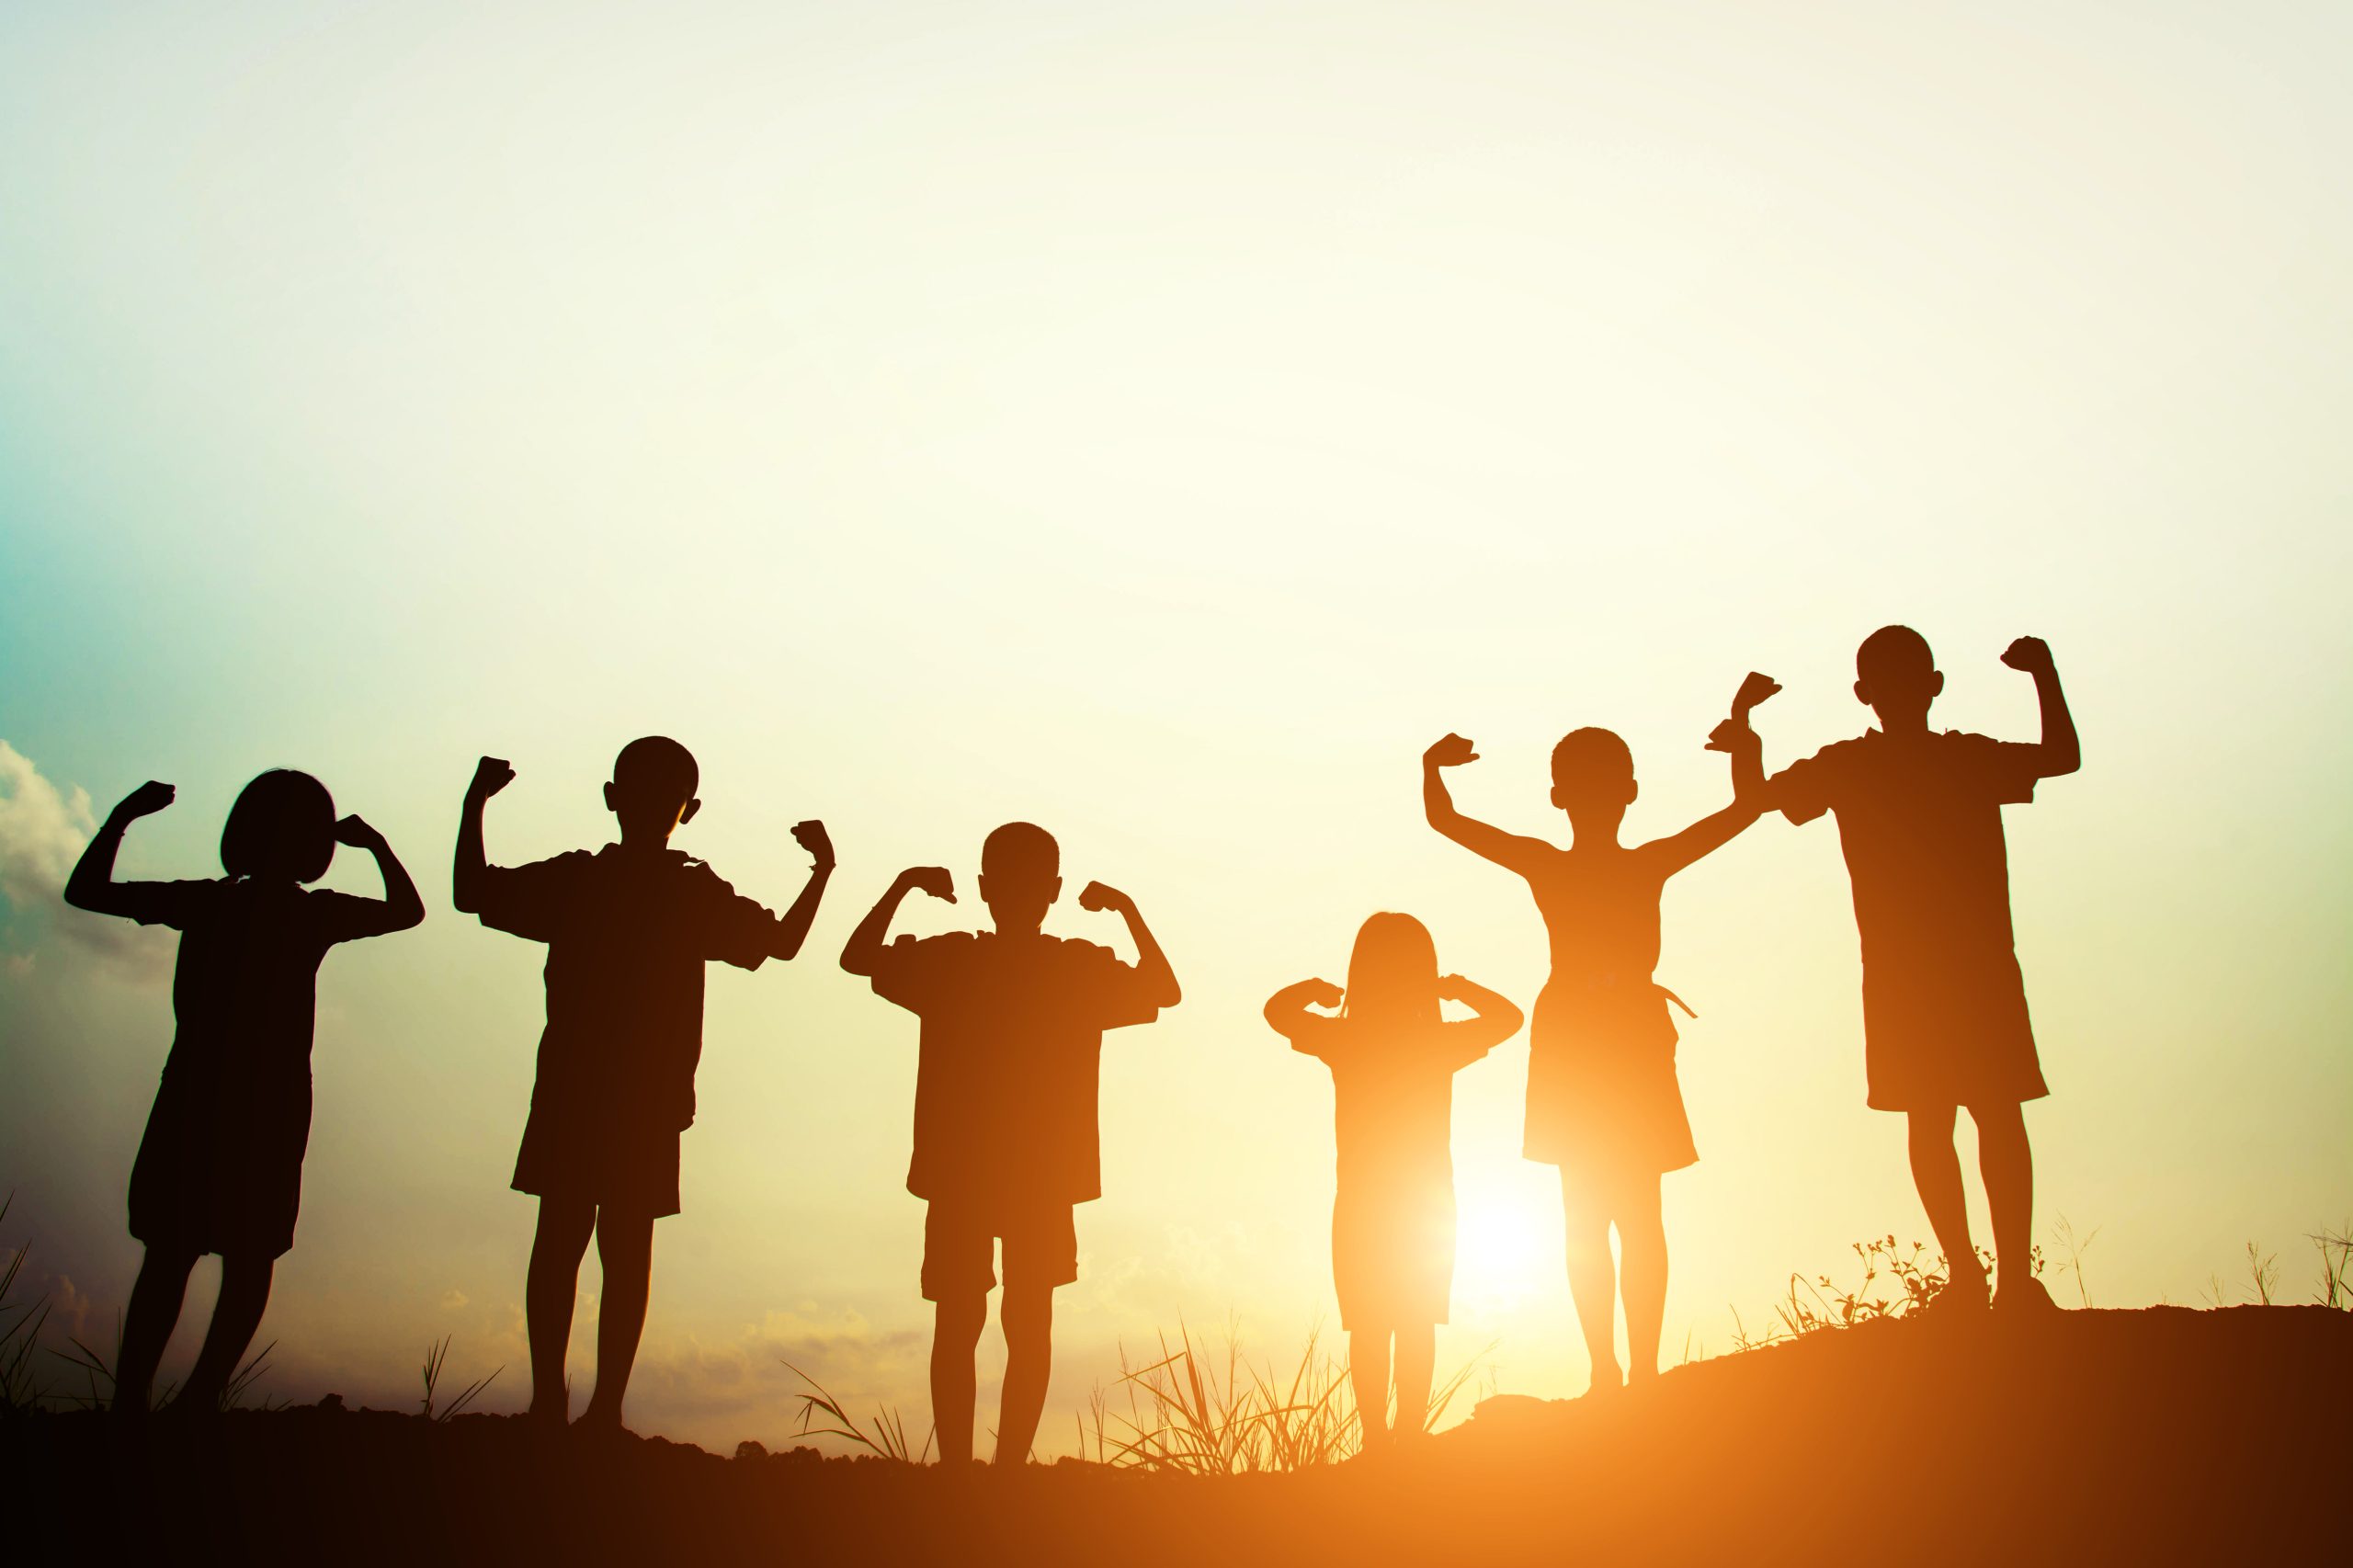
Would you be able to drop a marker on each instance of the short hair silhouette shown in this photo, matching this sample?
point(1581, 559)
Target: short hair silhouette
point(283, 824)
point(659, 766)
point(1393, 967)
point(1021, 849)
point(1589, 752)
point(1893, 652)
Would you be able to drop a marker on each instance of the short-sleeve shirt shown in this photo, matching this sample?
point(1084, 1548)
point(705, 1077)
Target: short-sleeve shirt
point(1393, 1096)
point(628, 934)
point(1011, 1050)
point(1920, 823)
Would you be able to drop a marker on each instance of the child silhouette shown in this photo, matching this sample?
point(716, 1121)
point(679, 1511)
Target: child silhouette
point(629, 929)
point(1603, 1103)
point(1393, 1060)
point(1945, 1019)
point(1006, 1141)
point(221, 1166)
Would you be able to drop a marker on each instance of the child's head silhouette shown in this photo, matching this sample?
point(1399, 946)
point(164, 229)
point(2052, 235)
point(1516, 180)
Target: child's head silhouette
point(282, 827)
point(1392, 971)
point(1593, 776)
point(1897, 677)
point(653, 789)
point(1020, 875)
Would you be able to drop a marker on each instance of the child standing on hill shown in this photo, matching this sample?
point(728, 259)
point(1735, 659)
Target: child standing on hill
point(629, 929)
point(221, 1166)
point(1005, 1139)
point(1945, 1020)
point(1603, 1102)
point(1393, 1060)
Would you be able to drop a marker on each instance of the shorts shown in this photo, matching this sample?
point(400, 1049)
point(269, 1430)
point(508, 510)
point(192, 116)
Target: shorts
point(632, 1169)
point(960, 1247)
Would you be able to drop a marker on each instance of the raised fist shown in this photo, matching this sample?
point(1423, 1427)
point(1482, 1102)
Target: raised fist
point(1452, 752)
point(1095, 898)
point(491, 776)
point(355, 832)
point(933, 879)
point(145, 801)
point(811, 835)
point(2031, 654)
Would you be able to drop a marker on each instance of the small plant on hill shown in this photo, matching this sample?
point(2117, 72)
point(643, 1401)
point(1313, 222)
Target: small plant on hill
point(435, 1355)
point(1895, 1281)
point(887, 1440)
point(21, 1325)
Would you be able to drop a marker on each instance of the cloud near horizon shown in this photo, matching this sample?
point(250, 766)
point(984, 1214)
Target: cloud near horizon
point(43, 831)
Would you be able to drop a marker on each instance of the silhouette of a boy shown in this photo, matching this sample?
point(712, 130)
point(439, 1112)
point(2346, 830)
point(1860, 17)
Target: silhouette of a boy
point(221, 1166)
point(1392, 1058)
point(1603, 1101)
point(629, 929)
point(1005, 1140)
point(1944, 1008)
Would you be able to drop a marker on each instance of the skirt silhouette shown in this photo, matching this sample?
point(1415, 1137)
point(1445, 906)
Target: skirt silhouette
point(1603, 1100)
point(1392, 1253)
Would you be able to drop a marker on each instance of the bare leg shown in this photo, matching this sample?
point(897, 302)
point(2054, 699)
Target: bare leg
point(2007, 1162)
point(625, 1253)
point(147, 1327)
point(1027, 1316)
point(245, 1293)
point(1936, 1171)
point(955, 1333)
point(1417, 1361)
point(1369, 1376)
point(1593, 1278)
point(547, 1292)
point(1641, 1275)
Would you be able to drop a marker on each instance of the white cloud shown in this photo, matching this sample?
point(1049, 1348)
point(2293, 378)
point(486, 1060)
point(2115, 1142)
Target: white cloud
point(42, 832)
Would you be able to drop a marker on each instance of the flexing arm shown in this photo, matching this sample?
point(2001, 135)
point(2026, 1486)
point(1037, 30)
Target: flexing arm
point(491, 776)
point(1506, 849)
point(1498, 1018)
point(863, 954)
point(1151, 961)
point(1289, 1015)
point(1735, 738)
point(92, 886)
point(403, 906)
point(2061, 753)
point(793, 926)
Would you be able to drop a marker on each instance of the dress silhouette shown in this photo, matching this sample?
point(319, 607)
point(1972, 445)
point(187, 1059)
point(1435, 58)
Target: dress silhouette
point(1603, 1100)
point(1392, 1058)
point(1945, 1021)
point(220, 1169)
point(1006, 1135)
point(628, 929)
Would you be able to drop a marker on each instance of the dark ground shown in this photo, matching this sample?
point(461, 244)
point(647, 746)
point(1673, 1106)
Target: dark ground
point(2166, 1435)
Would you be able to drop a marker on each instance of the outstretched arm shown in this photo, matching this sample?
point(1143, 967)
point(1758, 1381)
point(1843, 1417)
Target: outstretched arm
point(863, 954)
point(491, 776)
point(1151, 962)
point(92, 886)
point(1506, 849)
point(401, 905)
point(2061, 753)
point(793, 926)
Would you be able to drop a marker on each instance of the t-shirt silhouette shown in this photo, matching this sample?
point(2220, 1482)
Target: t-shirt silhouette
point(1010, 1052)
point(1920, 822)
point(628, 934)
point(221, 1166)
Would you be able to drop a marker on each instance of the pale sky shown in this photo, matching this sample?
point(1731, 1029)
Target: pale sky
point(1160, 422)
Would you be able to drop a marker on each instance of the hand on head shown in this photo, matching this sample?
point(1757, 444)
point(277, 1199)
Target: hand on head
point(355, 832)
point(1452, 752)
point(1324, 994)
